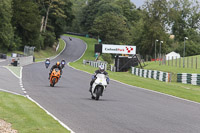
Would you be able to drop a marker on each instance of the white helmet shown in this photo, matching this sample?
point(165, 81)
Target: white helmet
point(101, 68)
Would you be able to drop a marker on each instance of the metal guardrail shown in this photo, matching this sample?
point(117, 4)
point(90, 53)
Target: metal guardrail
point(95, 63)
point(3, 56)
point(154, 74)
point(112, 68)
point(21, 61)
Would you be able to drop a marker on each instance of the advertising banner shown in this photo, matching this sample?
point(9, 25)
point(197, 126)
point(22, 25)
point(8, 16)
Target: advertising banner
point(118, 49)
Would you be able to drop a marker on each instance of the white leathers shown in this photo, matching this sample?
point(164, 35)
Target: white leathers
point(99, 86)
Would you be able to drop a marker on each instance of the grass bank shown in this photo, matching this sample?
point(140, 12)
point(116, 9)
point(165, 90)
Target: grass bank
point(49, 52)
point(185, 91)
point(43, 54)
point(15, 70)
point(25, 116)
point(175, 68)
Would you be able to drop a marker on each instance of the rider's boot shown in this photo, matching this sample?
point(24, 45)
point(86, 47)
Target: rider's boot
point(90, 90)
point(49, 75)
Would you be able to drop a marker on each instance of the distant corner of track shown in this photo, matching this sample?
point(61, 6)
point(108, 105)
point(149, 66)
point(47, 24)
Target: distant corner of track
point(53, 57)
point(60, 51)
point(31, 99)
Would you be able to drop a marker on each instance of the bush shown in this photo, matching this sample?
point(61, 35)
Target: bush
point(49, 39)
point(107, 58)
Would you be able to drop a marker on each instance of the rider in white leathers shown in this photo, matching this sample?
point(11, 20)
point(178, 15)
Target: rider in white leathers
point(101, 71)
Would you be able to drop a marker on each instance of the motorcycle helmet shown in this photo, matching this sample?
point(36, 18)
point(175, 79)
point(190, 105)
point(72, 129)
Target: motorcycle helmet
point(63, 62)
point(101, 68)
point(58, 63)
point(47, 61)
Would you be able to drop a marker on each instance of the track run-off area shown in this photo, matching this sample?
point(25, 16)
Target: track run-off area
point(122, 108)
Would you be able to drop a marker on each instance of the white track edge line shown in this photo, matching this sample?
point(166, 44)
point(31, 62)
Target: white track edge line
point(12, 72)
point(83, 52)
point(144, 88)
point(61, 51)
point(138, 87)
point(65, 126)
point(21, 74)
point(11, 92)
point(56, 55)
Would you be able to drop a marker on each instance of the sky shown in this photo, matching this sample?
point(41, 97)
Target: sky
point(138, 3)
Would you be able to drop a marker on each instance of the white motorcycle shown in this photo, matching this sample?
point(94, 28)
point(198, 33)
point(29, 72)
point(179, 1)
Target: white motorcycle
point(98, 86)
point(47, 63)
point(62, 63)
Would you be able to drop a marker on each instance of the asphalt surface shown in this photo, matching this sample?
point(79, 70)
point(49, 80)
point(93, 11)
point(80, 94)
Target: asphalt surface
point(8, 81)
point(122, 109)
point(4, 62)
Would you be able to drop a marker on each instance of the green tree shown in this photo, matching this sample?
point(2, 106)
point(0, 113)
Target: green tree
point(152, 26)
point(128, 9)
point(57, 15)
point(107, 58)
point(111, 28)
point(96, 8)
point(60, 22)
point(26, 20)
point(77, 11)
point(6, 29)
point(89, 14)
point(183, 15)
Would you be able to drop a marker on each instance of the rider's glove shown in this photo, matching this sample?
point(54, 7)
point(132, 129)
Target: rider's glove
point(93, 77)
point(107, 80)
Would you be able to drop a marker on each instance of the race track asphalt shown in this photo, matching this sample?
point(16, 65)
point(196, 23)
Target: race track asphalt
point(122, 109)
point(9, 82)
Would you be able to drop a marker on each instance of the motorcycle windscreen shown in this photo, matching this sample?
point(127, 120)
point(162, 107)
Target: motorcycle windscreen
point(101, 79)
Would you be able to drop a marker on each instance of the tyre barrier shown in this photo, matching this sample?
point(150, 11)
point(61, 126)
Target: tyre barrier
point(95, 63)
point(187, 78)
point(154, 74)
point(3, 56)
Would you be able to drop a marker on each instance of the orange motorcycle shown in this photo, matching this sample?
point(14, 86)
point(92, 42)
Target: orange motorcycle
point(55, 75)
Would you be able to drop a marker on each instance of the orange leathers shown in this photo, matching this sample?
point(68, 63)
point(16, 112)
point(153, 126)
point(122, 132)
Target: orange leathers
point(55, 75)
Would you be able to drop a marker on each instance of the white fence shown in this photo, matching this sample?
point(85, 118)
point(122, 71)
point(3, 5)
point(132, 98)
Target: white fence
point(95, 63)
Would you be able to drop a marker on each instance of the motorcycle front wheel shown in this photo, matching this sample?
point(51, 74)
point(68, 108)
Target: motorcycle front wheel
point(53, 82)
point(98, 93)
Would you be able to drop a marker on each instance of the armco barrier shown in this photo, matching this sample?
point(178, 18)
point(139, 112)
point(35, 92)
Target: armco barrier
point(188, 78)
point(154, 74)
point(3, 56)
point(21, 61)
point(95, 63)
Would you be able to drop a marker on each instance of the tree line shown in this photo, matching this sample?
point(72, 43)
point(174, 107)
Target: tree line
point(37, 23)
point(120, 22)
point(40, 23)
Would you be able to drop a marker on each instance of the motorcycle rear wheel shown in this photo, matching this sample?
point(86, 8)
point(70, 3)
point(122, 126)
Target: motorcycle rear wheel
point(98, 93)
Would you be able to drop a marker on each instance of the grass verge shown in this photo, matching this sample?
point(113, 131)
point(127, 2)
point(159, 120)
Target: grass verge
point(174, 69)
point(43, 54)
point(185, 91)
point(15, 70)
point(49, 52)
point(25, 116)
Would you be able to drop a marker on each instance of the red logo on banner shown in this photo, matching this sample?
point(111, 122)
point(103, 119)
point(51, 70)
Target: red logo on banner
point(129, 49)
